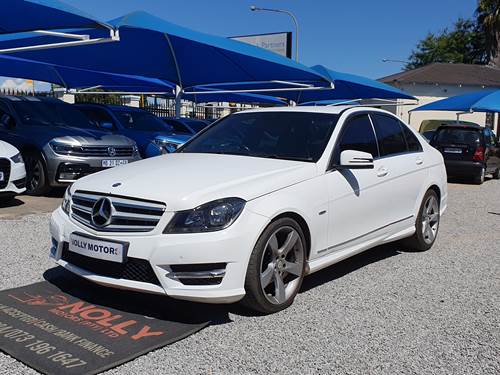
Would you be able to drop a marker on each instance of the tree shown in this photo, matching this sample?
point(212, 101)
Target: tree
point(465, 43)
point(488, 22)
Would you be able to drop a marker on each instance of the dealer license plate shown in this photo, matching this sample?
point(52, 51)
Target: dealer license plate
point(2, 176)
point(113, 163)
point(453, 150)
point(97, 248)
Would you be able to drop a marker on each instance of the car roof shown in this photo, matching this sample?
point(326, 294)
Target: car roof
point(111, 106)
point(45, 99)
point(336, 109)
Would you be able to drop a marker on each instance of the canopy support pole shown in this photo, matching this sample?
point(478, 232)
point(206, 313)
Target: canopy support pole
point(114, 36)
point(178, 96)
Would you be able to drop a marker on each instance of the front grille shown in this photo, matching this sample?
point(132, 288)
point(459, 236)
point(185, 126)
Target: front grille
point(5, 168)
point(107, 151)
point(134, 269)
point(20, 184)
point(127, 214)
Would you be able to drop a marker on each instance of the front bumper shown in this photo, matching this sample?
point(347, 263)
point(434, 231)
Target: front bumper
point(460, 168)
point(63, 170)
point(173, 258)
point(16, 180)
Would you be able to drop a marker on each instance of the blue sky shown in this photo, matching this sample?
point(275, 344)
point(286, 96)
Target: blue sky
point(350, 36)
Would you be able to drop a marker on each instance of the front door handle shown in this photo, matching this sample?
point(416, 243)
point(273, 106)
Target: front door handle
point(382, 171)
point(419, 161)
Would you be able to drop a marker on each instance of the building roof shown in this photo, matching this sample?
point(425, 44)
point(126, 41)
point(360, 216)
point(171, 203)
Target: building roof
point(450, 74)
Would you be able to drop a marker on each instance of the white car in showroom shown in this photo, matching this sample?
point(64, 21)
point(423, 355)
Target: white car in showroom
point(12, 172)
point(252, 204)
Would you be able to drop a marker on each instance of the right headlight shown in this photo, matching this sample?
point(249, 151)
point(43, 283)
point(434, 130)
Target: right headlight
point(66, 203)
point(165, 146)
point(209, 217)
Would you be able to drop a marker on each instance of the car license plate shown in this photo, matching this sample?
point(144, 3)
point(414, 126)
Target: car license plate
point(2, 176)
point(98, 248)
point(453, 150)
point(113, 163)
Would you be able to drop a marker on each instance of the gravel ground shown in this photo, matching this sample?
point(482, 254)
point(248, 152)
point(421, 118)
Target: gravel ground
point(385, 311)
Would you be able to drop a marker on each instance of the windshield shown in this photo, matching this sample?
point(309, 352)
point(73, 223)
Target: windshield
point(43, 113)
point(139, 120)
point(282, 135)
point(470, 137)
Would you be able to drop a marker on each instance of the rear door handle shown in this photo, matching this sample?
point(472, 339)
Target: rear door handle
point(382, 171)
point(419, 161)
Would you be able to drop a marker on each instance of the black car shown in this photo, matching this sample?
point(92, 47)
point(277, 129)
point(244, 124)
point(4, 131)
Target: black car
point(469, 151)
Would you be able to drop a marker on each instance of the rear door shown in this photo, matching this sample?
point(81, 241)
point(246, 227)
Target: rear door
point(402, 167)
point(457, 143)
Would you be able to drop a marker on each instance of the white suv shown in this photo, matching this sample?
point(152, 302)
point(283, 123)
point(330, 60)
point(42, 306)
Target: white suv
point(12, 172)
point(252, 204)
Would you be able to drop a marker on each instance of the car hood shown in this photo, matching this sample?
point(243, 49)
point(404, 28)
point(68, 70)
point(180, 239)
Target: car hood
point(80, 136)
point(7, 150)
point(184, 181)
point(175, 138)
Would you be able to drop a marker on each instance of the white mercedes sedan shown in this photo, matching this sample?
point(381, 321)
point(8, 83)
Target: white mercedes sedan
point(252, 204)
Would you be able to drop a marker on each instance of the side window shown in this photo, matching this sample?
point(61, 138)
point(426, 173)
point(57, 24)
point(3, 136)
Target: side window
point(358, 135)
point(98, 116)
point(411, 140)
point(389, 134)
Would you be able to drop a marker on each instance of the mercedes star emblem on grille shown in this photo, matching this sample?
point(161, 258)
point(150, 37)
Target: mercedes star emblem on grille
point(111, 151)
point(102, 212)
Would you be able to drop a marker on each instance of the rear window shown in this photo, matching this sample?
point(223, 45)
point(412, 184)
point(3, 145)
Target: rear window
point(457, 136)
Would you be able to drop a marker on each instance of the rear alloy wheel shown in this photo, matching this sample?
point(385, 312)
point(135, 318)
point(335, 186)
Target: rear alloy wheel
point(496, 174)
point(276, 268)
point(36, 177)
point(480, 178)
point(426, 225)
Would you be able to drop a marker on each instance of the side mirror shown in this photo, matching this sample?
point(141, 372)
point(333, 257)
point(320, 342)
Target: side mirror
point(106, 125)
point(351, 159)
point(7, 120)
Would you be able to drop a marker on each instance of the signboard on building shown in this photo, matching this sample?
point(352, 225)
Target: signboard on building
point(280, 43)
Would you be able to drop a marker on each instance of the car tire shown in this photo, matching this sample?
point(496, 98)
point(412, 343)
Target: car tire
point(426, 225)
point(481, 177)
point(276, 267)
point(496, 174)
point(36, 175)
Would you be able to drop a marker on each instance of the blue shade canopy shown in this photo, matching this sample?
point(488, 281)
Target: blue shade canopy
point(73, 78)
point(347, 86)
point(152, 47)
point(27, 15)
point(480, 101)
point(234, 98)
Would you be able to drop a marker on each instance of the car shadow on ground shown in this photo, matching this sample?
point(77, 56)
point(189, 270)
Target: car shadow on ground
point(11, 202)
point(467, 181)
point(155, 306)
point(352, 264)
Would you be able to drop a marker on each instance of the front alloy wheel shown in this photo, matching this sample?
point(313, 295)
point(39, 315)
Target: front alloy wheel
point(276, 267)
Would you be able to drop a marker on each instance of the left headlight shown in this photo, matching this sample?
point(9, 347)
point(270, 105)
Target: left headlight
point(209, 217)
point(66, 203)
point(18, 158)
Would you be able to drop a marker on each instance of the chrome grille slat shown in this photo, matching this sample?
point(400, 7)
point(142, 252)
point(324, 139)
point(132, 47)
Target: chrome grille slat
point(101, 151)
point(128, 214)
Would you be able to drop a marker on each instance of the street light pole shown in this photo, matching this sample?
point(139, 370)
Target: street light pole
point(253, 8)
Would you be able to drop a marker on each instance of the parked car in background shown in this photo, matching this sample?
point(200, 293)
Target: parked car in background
point(180, 130)
point(148, 130)
point(469, 151)
point(251, 205)
point(12, 172)
point(58, 143)
point(428, 127)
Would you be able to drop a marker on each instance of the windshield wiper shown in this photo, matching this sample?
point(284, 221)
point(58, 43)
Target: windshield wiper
point(275, 156)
